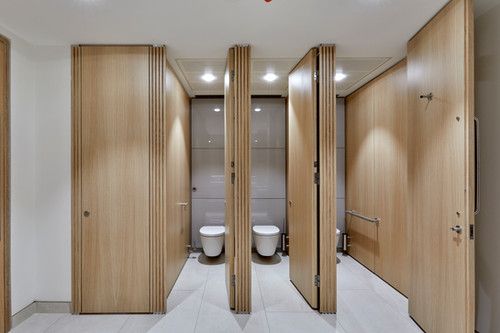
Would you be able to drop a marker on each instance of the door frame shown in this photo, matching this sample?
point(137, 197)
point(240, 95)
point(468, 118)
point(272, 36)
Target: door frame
point(5, 322)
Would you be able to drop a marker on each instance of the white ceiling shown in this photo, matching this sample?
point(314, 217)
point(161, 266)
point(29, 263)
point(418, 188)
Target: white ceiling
point(204, 29)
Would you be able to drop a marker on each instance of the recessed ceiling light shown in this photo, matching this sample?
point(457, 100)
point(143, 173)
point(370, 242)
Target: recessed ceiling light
point(257, 109)
point(208, 77)
point(339, 76)
point(256, 141)
point(209, 141)
point(217, 109)
point(270, 77)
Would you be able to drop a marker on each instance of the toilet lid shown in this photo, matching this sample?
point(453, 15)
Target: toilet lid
point(212, 231)
point(266, 230)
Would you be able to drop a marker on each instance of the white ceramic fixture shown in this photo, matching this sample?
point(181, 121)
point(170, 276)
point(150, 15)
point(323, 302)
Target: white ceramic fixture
point(212, 240)
point(266, 239)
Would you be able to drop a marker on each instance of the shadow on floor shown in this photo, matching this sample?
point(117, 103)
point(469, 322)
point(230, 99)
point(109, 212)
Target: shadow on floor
point(273, 260)
point(203, 259)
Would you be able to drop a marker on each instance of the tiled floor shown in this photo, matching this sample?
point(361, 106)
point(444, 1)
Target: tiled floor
point(198, 303)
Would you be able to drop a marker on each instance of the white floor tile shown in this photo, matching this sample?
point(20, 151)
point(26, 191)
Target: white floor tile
point(140, 323)
point(88, 324)
point(39, 322)
point(300, 323)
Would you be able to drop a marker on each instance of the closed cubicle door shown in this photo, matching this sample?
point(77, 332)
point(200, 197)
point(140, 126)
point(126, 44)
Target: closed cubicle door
point(115, 179)
point(441, 171)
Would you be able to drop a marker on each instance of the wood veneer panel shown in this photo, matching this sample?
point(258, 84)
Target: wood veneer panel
point(328, 182)
point(441, 182)
point(229, 236)
point(301, 189)
point(238, 173)
point(390, 176)
point(115, 179)
point(5, 310)
point(360, 186)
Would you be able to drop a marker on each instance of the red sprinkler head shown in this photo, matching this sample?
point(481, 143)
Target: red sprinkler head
point(268, 1)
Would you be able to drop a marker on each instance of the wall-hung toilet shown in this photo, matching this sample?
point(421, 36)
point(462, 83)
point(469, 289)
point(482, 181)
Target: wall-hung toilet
point(212, 240)
point(266, 239)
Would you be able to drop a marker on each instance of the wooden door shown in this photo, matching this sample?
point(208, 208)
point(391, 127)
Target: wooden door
point(228, 174)
point(441, 182)
point(115, 179)
point(360, 193)
point(301, 188)
point(4, 187)
point(177, 150)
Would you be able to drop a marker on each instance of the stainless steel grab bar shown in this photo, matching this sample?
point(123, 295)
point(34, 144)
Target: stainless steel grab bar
point(366, 218)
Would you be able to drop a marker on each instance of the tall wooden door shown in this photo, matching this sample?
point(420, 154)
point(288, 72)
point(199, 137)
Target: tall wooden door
point(302, 192)
point(4, 187)
point(441, 182)
point(115, 179)
point(360, 193)
point(237, 179)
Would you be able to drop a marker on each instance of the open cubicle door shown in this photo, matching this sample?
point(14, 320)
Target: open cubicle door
point(237, 178)
point(441, 171)
point(311, 178)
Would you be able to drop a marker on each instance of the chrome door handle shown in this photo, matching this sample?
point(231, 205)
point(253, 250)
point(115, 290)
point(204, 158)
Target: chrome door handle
point(183, 204)
point(458, 229)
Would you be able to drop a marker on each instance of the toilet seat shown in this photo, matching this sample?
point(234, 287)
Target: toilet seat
point(266, 230)
point(212, 231)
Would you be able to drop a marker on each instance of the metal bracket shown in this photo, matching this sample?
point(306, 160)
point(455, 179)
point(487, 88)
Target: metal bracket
point(233, 280)
point(233, 176)
point(316, 75)
point(316, 178)
point(316, 280)
point(429, 96)
point(471, 231)
point(233, 75)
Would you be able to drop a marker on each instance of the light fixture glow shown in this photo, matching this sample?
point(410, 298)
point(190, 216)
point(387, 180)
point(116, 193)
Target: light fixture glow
point(217, 109)
point(257, 109)
point(208, 77)
point(270, 77)
point(339, 76)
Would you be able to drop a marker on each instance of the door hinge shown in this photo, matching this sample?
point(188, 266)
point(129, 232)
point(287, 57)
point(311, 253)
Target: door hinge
point(316, 178)
point(233, 176)
point(233, 75)
point(316, 280)
point(233, 280)
point(316, 75)
point(471, 231)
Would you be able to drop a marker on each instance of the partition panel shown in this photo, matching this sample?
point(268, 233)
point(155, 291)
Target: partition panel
point(237, 166)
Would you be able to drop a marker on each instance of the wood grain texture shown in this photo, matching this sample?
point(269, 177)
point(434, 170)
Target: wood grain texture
point(147, 116)
point(328, 181)
point(237, 178)
point(390, 177)
point(178, 180)
point(301, 189)
point(360, 186)
point(385, 103)
point(229, 247)
point(115, 179)
point(5, 298)
point(440, 61)
point(242, 149)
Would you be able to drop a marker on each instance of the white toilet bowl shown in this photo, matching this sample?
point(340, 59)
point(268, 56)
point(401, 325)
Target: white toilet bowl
point(338, 237)
point(266, 239)
point(212, 240)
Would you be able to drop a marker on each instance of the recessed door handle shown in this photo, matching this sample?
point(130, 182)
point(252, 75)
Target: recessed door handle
point(458, 229)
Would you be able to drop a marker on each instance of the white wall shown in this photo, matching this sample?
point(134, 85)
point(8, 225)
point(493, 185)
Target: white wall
point(53, 173)
point(23, 213)
point(488, 222)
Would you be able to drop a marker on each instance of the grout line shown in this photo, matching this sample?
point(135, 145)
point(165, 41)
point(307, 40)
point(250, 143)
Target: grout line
point(201, 302)
point(123, 325)
point(55, 321)
point(261, 297)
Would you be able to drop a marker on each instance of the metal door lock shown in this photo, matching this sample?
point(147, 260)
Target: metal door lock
point(457, 229)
